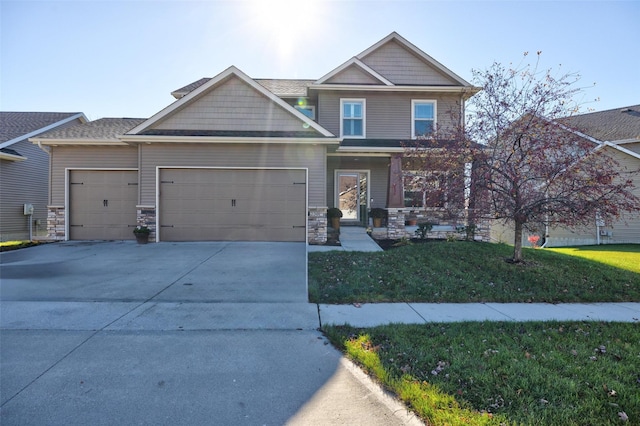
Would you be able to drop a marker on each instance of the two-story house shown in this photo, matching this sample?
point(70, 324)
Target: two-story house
point(237, 158)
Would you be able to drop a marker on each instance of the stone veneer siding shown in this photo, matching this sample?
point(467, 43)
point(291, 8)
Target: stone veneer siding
point(317, 225)
point(395, 224)
point(146, 216)
point(396, 228)
point(56, 223)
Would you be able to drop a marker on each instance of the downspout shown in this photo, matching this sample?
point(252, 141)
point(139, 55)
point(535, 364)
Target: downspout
point(546, 231)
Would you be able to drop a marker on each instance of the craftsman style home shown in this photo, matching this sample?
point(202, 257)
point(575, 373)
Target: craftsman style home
point(24, 171)
point(238, 158)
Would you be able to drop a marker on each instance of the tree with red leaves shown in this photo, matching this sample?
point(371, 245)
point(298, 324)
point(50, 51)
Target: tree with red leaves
point(534, 169)
point(529, 170)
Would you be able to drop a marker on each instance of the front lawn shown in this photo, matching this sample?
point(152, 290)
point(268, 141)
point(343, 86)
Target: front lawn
point(623, 256)
point(458, 272)
point(534, 373)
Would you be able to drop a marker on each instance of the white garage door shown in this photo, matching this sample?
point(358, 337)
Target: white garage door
point(232, 205)
point(102, 204)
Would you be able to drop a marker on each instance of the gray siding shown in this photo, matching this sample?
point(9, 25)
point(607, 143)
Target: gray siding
point(90, 157)
point(401, 66)
point(388, 115)
point(233, 105)
point(23, 182)
point(353, 75)
point(235, 155)
point(378, 173)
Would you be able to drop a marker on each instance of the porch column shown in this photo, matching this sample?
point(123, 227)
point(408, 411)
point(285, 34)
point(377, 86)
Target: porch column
point(395, 195)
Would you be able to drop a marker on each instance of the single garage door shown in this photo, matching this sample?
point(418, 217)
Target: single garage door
point(102, 204)
point(232, 205)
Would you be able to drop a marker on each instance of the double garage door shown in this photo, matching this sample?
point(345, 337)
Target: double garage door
point(194, 204)
point(232, 205)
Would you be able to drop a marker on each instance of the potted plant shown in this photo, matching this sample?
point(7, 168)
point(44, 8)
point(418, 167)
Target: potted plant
point(142, 234)
point(334, 214)
point(377, 214)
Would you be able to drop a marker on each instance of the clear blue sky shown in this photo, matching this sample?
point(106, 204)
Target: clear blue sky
point(123, 58)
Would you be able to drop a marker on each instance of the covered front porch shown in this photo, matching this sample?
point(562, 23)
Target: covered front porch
point(359, 182)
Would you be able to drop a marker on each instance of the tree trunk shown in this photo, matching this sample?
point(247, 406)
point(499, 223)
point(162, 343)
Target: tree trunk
point(517, 243)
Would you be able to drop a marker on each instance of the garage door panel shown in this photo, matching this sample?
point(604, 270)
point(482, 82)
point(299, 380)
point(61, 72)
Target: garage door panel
point(102, 204)
point(227, 204)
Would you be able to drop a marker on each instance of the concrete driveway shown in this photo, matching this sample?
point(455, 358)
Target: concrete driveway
point(185, 333)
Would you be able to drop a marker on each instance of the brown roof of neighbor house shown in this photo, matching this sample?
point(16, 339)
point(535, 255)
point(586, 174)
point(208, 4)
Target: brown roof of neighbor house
point(16, 124)
point(103, 129)
point(280, 87)
point(610, 125)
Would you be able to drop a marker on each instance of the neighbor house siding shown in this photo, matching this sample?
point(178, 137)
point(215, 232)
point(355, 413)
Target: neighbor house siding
point(92, 157)
point(353, 75)
point(388, 115)
point(234, 105)
point(235, 155)
point(625, 230)
point(378, 174)
point(400, 66)
point(635, 147)
point(23, 182)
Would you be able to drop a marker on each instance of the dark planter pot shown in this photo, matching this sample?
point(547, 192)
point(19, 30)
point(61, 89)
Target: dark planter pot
point(377, 222)
point(411, 222)
point(335, 222)
point(142, 238)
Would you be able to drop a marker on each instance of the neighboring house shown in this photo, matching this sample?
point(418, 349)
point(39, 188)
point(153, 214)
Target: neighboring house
point(614, 132)
point(24, 170)
point(237, 158)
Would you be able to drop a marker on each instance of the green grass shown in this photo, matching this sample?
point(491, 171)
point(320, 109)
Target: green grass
point(457, 272)
point(16, 245)
point(623, 256)
point(535, 373)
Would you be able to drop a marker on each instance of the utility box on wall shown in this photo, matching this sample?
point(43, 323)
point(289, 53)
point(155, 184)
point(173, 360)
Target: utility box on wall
point(28, 209)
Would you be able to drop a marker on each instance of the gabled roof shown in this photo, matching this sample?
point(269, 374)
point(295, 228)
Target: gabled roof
point(211, 85)
point(614, 125)
point(18, 126)
point(357, 63)
point(394, 36)
point(104, 130)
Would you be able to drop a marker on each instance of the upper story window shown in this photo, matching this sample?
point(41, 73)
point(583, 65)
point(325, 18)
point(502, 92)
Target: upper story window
point(423, 117)
point(308, 110)
point(352, 118)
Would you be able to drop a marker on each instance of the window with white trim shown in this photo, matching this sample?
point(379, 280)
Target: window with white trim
point(423, 117)
point(352, 118)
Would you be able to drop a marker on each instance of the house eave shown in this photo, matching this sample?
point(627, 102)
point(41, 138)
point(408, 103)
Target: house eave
point(470, 90)
point(71, 142)
point(372, 149)
point(148, 139)
point(11, 157)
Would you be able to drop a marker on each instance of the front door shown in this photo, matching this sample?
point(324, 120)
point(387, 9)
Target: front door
point(351, 195)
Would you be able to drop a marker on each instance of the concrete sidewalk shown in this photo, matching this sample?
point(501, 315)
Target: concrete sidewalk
point(352, 238)
point(373, 314)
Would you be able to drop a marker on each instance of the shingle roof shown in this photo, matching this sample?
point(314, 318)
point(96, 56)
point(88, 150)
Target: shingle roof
point(279, 87)
point(102, 129)
point(16, 124)
point(611, 125)
point(286, 88)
